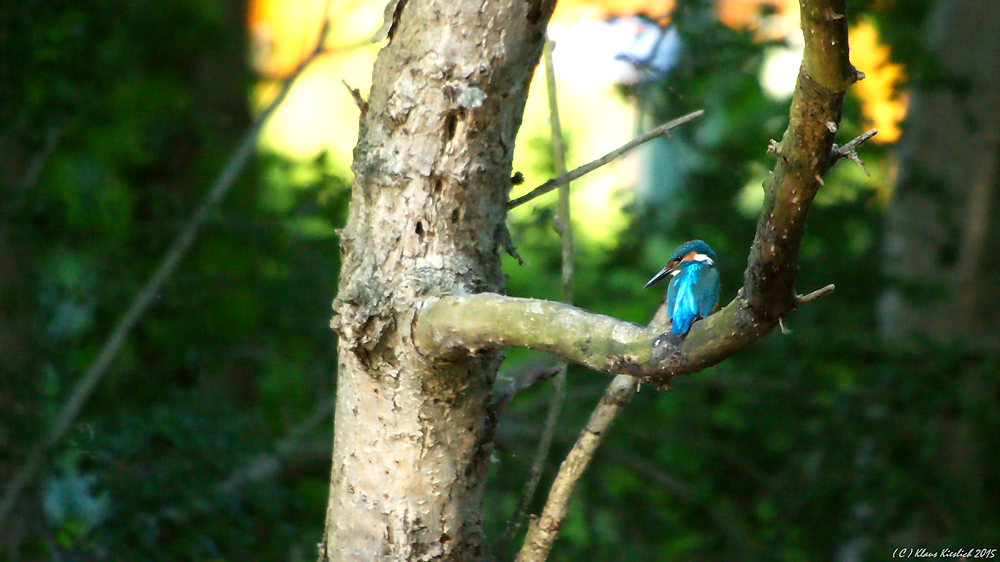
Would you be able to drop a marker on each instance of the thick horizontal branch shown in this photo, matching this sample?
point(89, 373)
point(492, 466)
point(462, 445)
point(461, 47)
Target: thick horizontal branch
point(456, 325)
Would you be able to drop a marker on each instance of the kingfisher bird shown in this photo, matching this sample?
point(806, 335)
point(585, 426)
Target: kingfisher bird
point(693, 291)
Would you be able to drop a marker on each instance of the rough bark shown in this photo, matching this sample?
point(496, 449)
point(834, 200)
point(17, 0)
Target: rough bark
point(432, 175)
point(942, 242)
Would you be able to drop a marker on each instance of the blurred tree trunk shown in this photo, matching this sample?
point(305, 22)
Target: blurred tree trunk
point(18, 393)
point(21, 418)
point(942, 239)
point(432, 169)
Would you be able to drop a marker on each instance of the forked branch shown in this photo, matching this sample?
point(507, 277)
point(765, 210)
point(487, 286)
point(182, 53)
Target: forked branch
point(454, 325)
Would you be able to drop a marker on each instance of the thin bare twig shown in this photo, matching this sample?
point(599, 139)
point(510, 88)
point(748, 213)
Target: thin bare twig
point(358, 100)
point(591, 166)
point(818, 293)
point(544, 530)
point(564, 226)
point(37, 163)
point(850, 150)
point(85, 386)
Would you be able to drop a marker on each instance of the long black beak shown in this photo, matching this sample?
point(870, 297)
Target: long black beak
point(665, 272)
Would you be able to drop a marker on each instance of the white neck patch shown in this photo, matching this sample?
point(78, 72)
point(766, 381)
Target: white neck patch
point(703, 258)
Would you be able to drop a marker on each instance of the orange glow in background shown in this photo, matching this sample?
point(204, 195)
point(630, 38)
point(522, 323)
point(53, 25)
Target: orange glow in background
point(320, 116)
point(882, 107)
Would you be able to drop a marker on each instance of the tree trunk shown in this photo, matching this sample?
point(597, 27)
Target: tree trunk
point(412, 437)
point(942, 251)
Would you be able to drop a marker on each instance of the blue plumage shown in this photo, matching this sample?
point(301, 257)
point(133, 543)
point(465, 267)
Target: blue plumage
point(694, 285)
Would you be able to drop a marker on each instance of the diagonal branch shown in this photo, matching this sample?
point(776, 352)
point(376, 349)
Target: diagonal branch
point(544, 529)
point(289, 447)
point(817, 294)
point(147, 295)
point(564, 179)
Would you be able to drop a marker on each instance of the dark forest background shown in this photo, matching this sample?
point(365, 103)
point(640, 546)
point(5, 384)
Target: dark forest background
point(873, 425)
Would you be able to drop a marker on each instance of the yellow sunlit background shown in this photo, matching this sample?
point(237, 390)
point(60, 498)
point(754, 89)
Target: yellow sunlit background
point(319, 115)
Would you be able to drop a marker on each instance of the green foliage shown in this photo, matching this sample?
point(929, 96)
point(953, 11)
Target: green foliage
point(161, 469)
point(132, 109)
